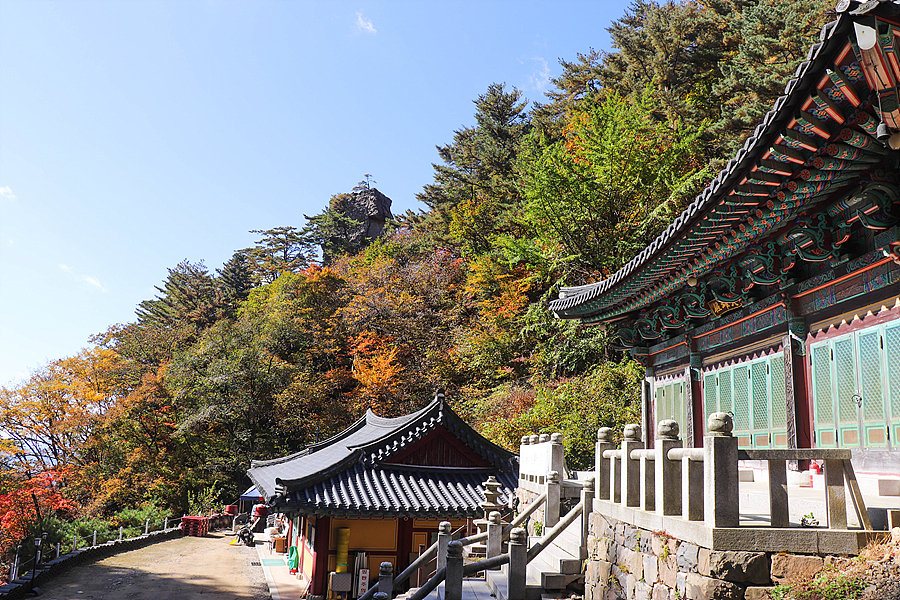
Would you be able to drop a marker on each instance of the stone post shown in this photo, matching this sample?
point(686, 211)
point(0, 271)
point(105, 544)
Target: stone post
point(835, 501)
point(648, 481)
point(442, 541)
point(121, 532)
point(631, 468)
point(778, 494)
point(518, 562)
point(692, 489)
point(668, 472)
point(587, 500)
point(386, 579)
point(615, 475)
point(720, 465)
point(495, 535)
point(601, 464)
point(453, 583)
point(94, 542)
point(551, 508)
point(526, 440)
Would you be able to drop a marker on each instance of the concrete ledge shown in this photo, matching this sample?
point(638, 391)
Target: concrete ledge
point(750, 539)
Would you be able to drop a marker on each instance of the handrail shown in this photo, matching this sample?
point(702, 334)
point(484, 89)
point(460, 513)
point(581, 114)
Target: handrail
point(406, 573)
point(430, 585)
point(468, 541)
point(556, 530)
point(485, 564)
point(694, 454)
point(524, 514)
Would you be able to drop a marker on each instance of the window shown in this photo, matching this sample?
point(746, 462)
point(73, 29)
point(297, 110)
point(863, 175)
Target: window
point(753, 392)
point(670, 403)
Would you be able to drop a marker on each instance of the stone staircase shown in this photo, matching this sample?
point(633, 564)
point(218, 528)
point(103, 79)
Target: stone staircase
point(554, 573)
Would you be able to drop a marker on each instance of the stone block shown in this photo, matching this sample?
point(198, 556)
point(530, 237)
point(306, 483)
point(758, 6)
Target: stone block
point(698, 587)
point(757, 593)
point(632, 538)
point(740, 567)
point(651, 568)
point(630, 582)
point(645, 544)
point(642, 590)
point(591, 572)
point(661, 592)
point(681, 584)
point(787, 567)
point(686, 557)
point(668, 571)
point(636, 565)
point(703, 561)
point(606, 550)
point(657, 543)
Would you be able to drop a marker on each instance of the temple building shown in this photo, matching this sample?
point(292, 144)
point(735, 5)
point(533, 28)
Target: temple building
point(385, 483)
point(775, 295)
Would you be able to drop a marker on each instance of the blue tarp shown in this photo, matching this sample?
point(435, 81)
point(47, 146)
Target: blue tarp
point(251, 495)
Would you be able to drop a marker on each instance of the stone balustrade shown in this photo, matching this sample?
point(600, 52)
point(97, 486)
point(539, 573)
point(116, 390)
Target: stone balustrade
point(695, 492)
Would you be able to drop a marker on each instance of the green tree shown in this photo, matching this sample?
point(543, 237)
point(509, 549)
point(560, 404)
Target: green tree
point(475, 188)
point(601, 195)
point(189, 296)
point(280, 250)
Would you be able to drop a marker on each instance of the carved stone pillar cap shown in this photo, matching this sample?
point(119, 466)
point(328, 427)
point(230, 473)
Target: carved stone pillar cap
point(544, 437)
point(720, 424)
point(444, 527)
point(632, 432)
point(517, 536)
point(556, 438)
point(553, 476)
point(494, 517)
point(454, 549)
point(667, 429)
point(526, 439)
point(588, 483)
point(534, 439)
point(386, 568)
point(604, 434)
point(381, 596)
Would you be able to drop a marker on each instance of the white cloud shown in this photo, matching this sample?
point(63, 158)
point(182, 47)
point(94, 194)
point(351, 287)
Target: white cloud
point(86, 278)
point(7, 193)
point(540, 79)
point(93, 281)
point(363, 24)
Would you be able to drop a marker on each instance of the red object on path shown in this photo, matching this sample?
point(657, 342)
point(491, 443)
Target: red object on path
point(195, 526)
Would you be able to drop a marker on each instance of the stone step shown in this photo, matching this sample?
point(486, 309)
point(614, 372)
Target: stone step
point(559, 560)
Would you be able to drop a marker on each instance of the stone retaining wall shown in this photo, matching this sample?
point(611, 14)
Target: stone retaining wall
point(626, 562)
point(22, 586)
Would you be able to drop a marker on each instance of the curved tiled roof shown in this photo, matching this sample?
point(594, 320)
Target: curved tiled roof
point(395, 490)
point(682, 250)
point(349, 473)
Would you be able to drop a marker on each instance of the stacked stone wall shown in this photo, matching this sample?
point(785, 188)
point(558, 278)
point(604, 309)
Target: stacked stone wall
point(626, 562)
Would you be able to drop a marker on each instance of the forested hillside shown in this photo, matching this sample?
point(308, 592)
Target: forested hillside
point(277, 349)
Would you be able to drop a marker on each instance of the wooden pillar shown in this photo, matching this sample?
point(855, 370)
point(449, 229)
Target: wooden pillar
point(695, 382)
point(320, 567)
point(404, 542)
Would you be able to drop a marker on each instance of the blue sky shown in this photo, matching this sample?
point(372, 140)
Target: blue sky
point(134, 135)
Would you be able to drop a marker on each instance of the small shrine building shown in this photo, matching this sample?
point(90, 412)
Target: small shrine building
point(388, 483)
point(775, 295)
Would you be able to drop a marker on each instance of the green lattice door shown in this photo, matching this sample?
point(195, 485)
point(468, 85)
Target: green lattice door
point(670, 403)
point(754, 394)
point(854, 379)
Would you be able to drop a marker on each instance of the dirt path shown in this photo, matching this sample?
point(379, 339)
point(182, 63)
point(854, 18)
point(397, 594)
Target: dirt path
point(186, 568)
